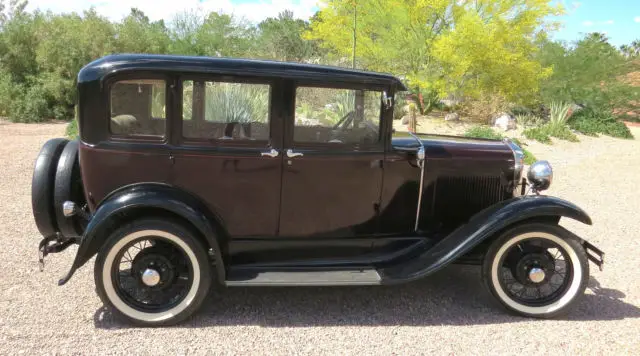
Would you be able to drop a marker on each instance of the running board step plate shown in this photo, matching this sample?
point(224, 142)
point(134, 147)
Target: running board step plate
point(306, 277)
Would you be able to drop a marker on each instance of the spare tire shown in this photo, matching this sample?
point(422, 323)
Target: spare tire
point(42, 183)
point(68, 187)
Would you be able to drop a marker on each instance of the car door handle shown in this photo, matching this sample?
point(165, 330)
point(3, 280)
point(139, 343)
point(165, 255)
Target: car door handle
point(273, 153)
point(292, 154)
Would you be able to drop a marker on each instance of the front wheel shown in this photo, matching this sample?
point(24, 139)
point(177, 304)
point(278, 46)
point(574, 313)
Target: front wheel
point(153, 272)
point(536, 270)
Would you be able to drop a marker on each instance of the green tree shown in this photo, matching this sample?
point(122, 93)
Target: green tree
point(589, 73)
point(464, 47)
point(136, 34)
point(281, 38)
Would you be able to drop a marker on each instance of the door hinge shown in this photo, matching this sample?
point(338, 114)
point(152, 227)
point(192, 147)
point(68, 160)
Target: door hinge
point(172, 158)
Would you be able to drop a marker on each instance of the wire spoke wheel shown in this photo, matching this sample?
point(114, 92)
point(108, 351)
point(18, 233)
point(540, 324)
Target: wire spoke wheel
point(152, 274)
point(535, 272)
point(536, 269)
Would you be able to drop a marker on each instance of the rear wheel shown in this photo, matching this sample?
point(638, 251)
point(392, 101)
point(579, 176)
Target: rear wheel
point(153, 272)
point(536, 270)
point(42, 186)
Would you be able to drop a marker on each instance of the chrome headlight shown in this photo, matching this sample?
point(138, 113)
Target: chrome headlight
point(540, 175)
point(518, 156)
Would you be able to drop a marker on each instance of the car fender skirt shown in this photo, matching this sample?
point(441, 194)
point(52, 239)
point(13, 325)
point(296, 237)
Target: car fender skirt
point(481, 226)
point(133, 199)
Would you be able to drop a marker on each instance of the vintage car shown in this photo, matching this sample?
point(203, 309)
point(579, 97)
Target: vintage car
point(191, 172)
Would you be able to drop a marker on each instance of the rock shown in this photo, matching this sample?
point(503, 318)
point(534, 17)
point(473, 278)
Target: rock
point(405, 120)
point(452, 117)
point(505, 122)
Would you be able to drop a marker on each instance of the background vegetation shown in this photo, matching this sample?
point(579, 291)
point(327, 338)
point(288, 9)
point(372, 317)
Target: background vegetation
point(479, 57)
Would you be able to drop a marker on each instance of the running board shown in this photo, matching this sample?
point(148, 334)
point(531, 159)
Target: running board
point(302, 277)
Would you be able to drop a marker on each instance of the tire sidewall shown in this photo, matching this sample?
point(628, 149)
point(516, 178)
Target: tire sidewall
point(42, 186)
point(66, 188)
point(192, 248)
point(557, 234)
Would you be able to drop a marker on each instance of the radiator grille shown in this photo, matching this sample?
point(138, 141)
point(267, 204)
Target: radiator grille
point(457, 198)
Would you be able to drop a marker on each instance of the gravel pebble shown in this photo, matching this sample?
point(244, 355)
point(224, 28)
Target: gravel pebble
point(448, 313)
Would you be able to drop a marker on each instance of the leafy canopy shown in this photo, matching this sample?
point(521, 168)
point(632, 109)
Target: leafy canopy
point(464, 47)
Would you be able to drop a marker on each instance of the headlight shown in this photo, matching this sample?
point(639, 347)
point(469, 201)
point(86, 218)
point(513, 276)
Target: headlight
point(540, 175)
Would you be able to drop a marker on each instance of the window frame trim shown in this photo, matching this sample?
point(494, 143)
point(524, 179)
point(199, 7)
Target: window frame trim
point(329, 146)
point(144, 138)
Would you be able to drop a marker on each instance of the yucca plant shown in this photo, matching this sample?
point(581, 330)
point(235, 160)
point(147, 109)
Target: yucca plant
point(558, 116)
point(232, 102)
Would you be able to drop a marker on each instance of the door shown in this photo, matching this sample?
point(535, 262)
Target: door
point(228, 151)
point(332, 163)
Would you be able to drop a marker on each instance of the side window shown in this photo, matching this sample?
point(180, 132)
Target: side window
point(328, 115)
point(225, 111)
point(138, 107)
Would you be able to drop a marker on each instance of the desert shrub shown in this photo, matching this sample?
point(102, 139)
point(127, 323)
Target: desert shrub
point(544, 133)
point(481, 110)
point(538, 134)
point(30, 105)
point(529, 158)
point(593, 122)
point(530, 120)
point(399, 107)
point(480, 131)
point(72, 129)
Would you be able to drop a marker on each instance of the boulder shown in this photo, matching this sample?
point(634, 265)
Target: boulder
point(405, 120)
point(504, 122)
point(452, 117)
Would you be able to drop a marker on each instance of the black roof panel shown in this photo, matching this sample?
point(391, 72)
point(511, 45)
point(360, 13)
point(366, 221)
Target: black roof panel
point(104, 66)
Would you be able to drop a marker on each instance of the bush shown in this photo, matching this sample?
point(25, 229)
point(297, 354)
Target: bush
point(593, 122)
point(480, 131)
point(72, 129)
point(483, 109)
point(529, 158)
point(544, 133)
point(530, 120)
point(31, 105)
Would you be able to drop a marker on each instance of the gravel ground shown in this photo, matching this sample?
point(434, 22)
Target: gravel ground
point(448, 313)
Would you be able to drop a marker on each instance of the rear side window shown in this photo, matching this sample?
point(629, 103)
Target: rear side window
point(225, 110)
point(138, 107)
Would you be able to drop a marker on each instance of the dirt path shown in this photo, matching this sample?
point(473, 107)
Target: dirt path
point(448, 313)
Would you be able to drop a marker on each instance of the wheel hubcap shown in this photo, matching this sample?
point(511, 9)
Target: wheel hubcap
point(150, 277)
point(536, 275)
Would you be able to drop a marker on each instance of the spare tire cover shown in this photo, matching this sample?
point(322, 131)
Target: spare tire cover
point(68, 187)
point(42, 183)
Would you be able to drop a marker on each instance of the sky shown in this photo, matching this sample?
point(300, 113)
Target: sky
point(619, 19)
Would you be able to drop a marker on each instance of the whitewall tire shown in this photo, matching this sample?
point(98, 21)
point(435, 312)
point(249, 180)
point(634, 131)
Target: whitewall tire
point(520, 267)
point(176, 261)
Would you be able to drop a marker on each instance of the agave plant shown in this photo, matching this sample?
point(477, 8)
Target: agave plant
point(559, 114)
point(234, 102)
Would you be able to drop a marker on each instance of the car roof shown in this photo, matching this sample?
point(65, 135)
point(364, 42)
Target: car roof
point(99, 69)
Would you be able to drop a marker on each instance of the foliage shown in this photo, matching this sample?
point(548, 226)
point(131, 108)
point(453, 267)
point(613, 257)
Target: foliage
point(480, 131)
point(232, 102)
point(72, 129)
point(281, 38)
point(529, 120)
point(461, 48)
point(593, 122)
point(482, 109)
point(588, 73)
point(400, 109)
point(558, 116)
point(529, 158)
point(544, 133)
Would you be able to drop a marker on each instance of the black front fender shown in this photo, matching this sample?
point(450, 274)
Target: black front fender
point(135, 198)
point(483, 225)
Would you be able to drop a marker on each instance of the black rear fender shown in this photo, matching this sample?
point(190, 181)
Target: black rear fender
point(149, 199)
point(484, 226)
